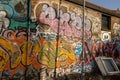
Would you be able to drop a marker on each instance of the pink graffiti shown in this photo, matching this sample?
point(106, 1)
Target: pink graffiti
point(65, 29)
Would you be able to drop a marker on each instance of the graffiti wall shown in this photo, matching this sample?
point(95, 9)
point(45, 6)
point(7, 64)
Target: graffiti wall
point(115, 28)
point(29, 48)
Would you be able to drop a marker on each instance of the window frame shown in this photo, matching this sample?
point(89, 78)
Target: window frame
point(107, 23)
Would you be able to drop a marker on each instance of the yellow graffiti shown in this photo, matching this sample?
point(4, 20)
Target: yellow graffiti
point(6, 45)
point(4, 58)
point(65, 55)
point(12, 50)
point(29, 51)
point(47, 55)
point(32, 51)
point(65, 58)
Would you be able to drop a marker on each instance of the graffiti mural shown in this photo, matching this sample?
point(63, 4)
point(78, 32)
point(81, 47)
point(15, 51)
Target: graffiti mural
point(105, 36)
point(96, 28)
point(71, 24)
point(28, 48)
point(4, 22)
point(70, 29)
point(116, 29)
point(15, 9)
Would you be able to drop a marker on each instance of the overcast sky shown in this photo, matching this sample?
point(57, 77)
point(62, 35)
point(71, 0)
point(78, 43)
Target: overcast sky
point(110, 4)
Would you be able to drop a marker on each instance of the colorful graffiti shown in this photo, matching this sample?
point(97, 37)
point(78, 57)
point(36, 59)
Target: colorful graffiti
point(96, 28)
point(116, 29)
point(15, 9)
point(17, 52)
point(70, 24)
point(105, 36)
point(29, 48)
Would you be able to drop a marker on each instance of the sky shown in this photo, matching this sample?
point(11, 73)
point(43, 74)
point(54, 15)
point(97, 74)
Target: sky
point(110, 4)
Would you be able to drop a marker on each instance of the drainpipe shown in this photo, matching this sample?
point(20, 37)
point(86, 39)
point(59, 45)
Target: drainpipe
point(28, 34)
point(56, 54)
point(83, 54)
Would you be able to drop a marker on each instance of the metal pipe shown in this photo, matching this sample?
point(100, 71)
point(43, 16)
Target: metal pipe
point(28, 34)
point(83, 37)
point(57, 39)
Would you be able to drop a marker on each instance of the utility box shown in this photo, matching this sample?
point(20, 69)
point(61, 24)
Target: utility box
point(107, 66)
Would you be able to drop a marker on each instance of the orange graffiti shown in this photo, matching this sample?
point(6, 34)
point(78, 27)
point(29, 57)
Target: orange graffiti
point(18, 37)
point(29, 51)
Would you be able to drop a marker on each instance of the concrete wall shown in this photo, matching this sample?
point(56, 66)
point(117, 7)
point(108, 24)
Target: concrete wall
point(29, 48)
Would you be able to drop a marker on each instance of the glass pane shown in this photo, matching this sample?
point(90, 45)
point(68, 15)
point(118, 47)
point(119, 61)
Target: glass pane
point(109, 65)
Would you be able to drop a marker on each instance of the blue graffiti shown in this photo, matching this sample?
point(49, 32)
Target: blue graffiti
point(11, 7)
point(118, 47)
point(78, 67)
point(78, 50)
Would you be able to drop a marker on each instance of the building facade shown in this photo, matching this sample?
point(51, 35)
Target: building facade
point(36, 36)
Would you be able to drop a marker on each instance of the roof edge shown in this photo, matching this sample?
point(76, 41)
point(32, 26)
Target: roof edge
point(96, 7)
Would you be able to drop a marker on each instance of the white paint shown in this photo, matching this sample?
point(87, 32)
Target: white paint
point(116, 27)
point(76, 21)
point(4, 22)
point(105, 36)
point(44, 7)
point(87, 24)
point(65, 17)
point(50, 13)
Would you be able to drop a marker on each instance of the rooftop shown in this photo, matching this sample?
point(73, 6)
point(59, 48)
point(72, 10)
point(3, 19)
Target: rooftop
point(101, 9)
